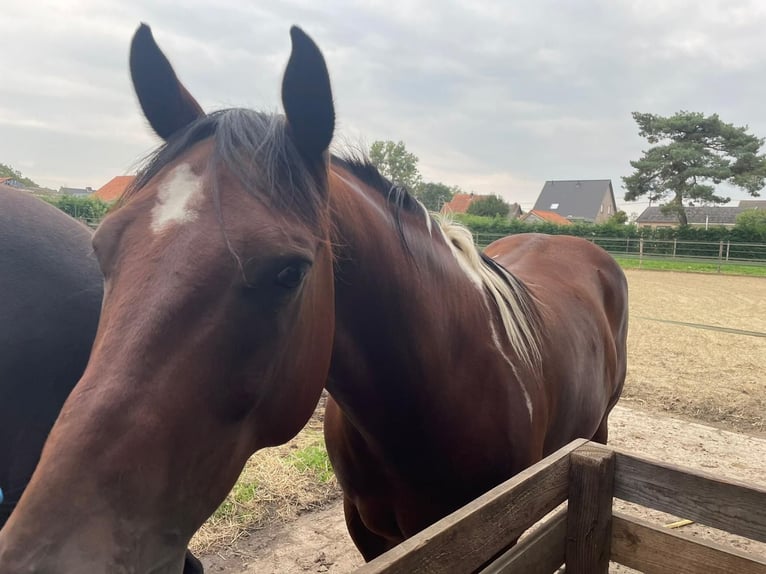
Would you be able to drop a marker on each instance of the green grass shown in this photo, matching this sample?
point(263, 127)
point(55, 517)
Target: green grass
point(243, 494)
point(313, 458)
point(691, 266)
point(271, 473)
point(276, 484)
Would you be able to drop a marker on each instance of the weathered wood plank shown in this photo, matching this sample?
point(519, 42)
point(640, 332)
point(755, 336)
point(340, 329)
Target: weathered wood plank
point(722, 503)
point(589, 519)
point(468, 538)
point(654, 550)
point(541, 553)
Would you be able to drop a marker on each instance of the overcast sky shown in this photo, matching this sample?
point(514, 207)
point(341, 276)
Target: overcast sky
point(496, 97)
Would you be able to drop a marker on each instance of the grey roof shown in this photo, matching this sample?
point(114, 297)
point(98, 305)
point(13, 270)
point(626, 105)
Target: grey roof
point(715, 214)
point(577, 199)
point(753, 203)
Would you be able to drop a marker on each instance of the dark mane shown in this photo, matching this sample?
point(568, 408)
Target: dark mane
point(398, 196)
point(362, 168)
point(256, 148)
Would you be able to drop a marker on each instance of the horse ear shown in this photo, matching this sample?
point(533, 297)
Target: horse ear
point(166, 103)
point(307, 97)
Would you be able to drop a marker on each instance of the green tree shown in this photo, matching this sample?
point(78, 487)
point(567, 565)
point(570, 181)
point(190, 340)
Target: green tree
point(435, 195)
point(90, 209)
point(752, 220)
point(8, 171)
point(619, 218)
point(490, 206)
point(690, 153)
point(396, 163)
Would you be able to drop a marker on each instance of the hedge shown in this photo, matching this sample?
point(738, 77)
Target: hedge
point(500, 226)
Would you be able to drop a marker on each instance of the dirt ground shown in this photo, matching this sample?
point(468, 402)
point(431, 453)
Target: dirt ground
point(695, 375)
point(707, 375)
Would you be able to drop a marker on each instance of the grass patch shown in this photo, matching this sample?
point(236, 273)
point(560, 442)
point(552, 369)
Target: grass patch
point(691, 266)
point(276, 485)
point(313, 458)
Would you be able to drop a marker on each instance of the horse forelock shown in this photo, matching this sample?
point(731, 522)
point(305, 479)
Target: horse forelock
point(256, 149)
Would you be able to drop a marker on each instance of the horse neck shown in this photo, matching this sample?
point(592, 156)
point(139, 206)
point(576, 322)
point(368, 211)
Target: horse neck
point(411, 321)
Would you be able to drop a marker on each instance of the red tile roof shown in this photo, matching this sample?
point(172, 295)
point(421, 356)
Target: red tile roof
point(114, 189)
point(460, 202)
point(549, 217)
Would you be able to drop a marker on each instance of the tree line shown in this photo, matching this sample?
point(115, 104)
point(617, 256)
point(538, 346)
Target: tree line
point(401, 166)
point(8, 171)
point(690, 155)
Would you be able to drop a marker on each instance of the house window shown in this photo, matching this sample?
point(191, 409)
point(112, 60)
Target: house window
point(554, 205)
point(608, 209)
point(602, 208)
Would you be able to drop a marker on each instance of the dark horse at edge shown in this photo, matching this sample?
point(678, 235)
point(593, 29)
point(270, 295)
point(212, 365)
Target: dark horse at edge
point(50, 298)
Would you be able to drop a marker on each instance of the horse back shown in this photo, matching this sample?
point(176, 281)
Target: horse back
point(582, 295)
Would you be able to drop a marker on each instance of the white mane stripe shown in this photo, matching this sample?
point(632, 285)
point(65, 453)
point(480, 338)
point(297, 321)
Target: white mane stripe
point(510, 298)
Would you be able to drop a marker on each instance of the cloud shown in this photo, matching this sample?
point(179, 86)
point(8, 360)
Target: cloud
point(495, 96)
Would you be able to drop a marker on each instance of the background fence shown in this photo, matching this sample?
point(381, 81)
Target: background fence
point(715, 252)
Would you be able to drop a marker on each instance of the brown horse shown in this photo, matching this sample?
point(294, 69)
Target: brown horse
point(452, 372)
point(242, 274)
point(215, 335)
point(50, 299)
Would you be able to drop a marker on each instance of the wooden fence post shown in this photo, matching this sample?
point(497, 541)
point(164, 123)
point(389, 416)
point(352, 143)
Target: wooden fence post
point(589, 513)
point(720, 254)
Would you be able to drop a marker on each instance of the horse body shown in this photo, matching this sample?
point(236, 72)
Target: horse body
point(50, 298)
point(584, 298)
point(431, 403)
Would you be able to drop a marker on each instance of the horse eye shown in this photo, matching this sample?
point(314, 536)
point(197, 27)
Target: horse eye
point(292, 275)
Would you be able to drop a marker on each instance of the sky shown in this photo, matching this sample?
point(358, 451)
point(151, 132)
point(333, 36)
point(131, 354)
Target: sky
point(496, 97)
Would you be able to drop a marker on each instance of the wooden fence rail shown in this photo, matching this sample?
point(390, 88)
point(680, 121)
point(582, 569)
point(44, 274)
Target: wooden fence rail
point(582, 479)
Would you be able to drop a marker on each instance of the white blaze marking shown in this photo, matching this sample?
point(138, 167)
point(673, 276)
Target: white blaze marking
point(177, 198)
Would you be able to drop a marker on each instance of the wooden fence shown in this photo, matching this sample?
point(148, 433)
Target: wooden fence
point(586, 534)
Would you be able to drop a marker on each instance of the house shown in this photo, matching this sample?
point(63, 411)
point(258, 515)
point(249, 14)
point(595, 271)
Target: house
point(753, 203)
point(11, 182)
point(75, 191)
point(587, 200)
point(540, 216)
point(461, 201)
point(515, 211)
point(114, 188)
point(698, 216)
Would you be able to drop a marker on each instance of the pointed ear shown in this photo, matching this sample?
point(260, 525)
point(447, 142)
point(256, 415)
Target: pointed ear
point(307, 97)
point(166, 103)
